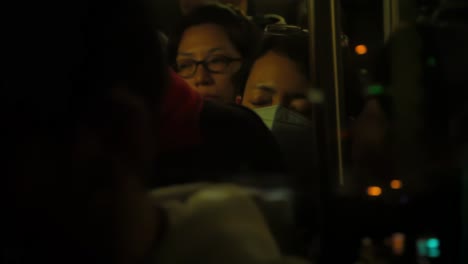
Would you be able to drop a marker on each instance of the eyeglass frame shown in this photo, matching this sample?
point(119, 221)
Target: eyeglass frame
point(344, 39)
point(204, 63)
point(284, 30)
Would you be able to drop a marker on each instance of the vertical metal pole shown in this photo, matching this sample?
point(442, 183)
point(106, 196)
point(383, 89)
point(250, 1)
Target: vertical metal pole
point(464, 208)
point(312, 41)
point(326, 71)
point(391, 17)
point(337, 87)
point(326, 75)
point(387, 19)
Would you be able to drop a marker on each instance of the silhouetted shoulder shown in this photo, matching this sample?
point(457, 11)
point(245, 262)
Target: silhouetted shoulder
point(243, 135)
point(235, 142)
point(231, 116)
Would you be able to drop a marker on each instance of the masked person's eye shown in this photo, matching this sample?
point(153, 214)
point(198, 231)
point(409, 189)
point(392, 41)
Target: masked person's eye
point(262, 96)
point(262, 101)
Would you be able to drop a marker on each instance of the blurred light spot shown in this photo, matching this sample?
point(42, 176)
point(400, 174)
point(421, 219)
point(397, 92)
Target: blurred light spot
point(374, 191)
point(429, 247)
point(363, 71)
point(396, 184)
point(433, 247)
point(398, 243)
point(433, 243)
point(375, 89)
point(361, 49)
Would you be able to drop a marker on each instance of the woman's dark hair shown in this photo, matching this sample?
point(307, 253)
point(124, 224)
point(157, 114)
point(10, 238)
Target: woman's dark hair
point(243, 34)
point(294, 46)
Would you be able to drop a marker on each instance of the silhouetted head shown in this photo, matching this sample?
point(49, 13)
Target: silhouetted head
point(81, 84)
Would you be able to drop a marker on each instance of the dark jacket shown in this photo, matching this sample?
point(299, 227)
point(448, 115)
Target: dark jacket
point(218, 141)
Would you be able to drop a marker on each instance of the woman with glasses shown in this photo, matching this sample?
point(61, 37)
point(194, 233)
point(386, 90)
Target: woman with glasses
point(211, 49)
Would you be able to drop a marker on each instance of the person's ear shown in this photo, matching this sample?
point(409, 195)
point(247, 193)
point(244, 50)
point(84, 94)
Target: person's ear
point(238, 99)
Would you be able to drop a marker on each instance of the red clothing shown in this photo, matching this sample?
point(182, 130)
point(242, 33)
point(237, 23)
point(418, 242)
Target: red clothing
point(180, 116)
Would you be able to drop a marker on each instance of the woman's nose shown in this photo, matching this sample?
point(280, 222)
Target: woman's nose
point(203, 77)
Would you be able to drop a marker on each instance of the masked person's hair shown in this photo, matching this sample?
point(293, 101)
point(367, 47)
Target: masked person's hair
point(243, 34)
point(293, 45)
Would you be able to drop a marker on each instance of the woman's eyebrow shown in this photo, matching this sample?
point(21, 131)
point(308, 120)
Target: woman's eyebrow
point(209, 52)
point(215, 50)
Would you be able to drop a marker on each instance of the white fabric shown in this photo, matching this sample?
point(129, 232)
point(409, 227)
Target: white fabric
point(215, 224)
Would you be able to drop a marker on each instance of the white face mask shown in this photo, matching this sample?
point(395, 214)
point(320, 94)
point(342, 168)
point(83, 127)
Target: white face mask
point(278, 116)
point(294, 134)
point(267, 114)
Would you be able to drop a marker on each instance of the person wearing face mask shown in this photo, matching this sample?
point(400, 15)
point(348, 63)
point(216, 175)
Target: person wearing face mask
point(211, 49)
point(279, 91)
point(280, 74)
